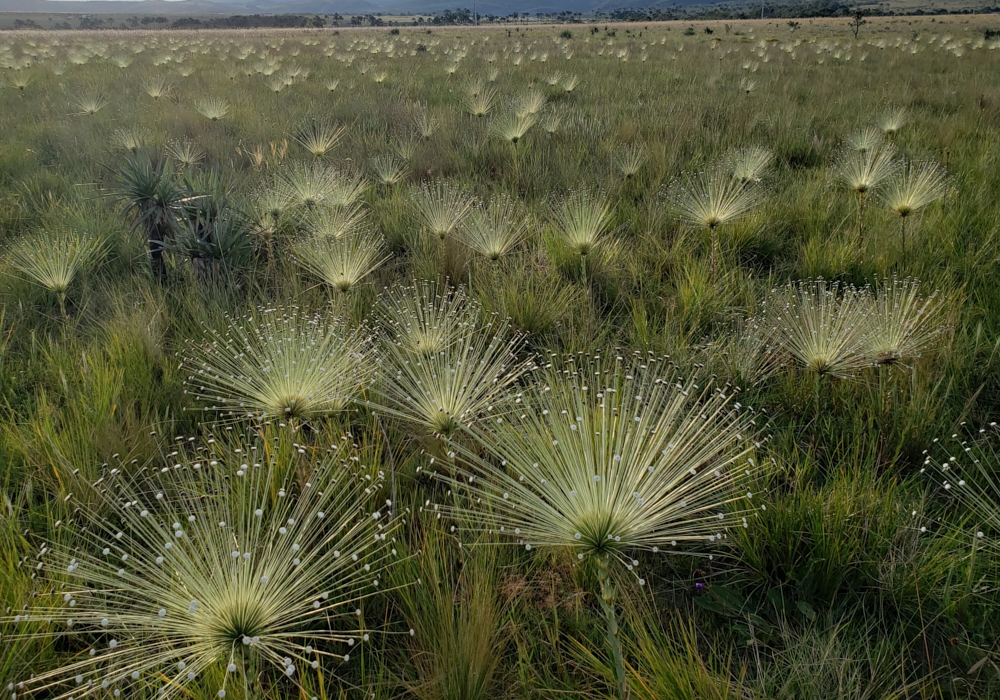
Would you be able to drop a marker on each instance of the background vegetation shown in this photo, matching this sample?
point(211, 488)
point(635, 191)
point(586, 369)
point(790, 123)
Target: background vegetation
point(864, 577)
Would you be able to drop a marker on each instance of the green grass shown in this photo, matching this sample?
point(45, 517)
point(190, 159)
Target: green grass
point(864, 577)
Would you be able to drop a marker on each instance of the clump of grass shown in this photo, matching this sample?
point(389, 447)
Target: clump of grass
point(283, 363)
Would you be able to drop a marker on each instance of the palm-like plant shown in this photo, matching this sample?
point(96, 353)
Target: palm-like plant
point(460, 381)
point(712, 198)
point(610, 456)
point(910, 188)
point(583, 220)
point(53, 259)
point(494, 230)
point(278, 362)
point(440, 208)
point(861, 172)
point(233, 563)
point(900, 323)
point(151, 190)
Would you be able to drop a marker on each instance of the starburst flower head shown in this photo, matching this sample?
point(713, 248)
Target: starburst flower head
point(901, 323)
point(866, 139)
point(495, 229)
point(749, 164)
point(185, 152)
point(440, 208)
point(426, 317)
point(462, 379)
point(53, 259)
point(213, 108)
point(820, 325)
point(388, 169)
point(863, 171)
point(278, 362)
point(226, 561)
point(316, 186)
point(513, 127)
point(583, 219)
point(630, 159)
point(892, 119)
point(713, 198)
point(608, 455)
point(318, 137)
point(913, 186)
point(342, 262)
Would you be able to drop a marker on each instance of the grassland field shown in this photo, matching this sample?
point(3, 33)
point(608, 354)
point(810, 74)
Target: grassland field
point(651, 361)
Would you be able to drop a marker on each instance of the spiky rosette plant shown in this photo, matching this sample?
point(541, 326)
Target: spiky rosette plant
point(230, 565)
point(454, 375)
point(901, 322)
point(278, 362)
point(53, 259)
point(609, 456)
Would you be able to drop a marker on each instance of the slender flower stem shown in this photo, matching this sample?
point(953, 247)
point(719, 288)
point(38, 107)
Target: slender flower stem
point(608, 605)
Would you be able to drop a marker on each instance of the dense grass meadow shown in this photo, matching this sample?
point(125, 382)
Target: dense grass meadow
point(643, 361)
